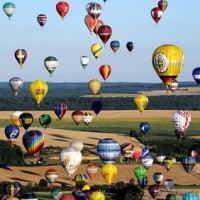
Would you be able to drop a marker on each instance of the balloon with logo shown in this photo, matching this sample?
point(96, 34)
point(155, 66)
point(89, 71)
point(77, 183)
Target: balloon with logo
point(181, 120)
point(38, 90)
point(51, 175)
point(109, 172)
point(127, 150)
point(105, 71)
point(33, 141)
point(96, 50)
point(21, 56)
point(169, 184)
point(188, 163)
point(87, 118)
point(144, 127)
point(90, 22)
point(141, 101)
point(16, 84)
point(174, 86)
point(156, 14)
point(70, 159)
point(60, 110)
point(92, 170)
point(114, 45)
point(15, 117)
point(45, 120)
point(96, 106)
point(140, 172)
point(196, 75)
point(129, 46)
point(62, 8)
point(162, 4)
point(9, 9)
point(104, 32)
point(108, 150)
point(143, 182)
point(94, 10)
point(94, 86)
point(26, 120)
point(84, 61)
point(158, 177)
point(147, 161)
point(190, 196)
point(50, 64)
point(77, 117)
point(97, 195)
point(170, 197)
point(168, 163)
point(168, 61)
point(56, 193)
point(153, 190)
point(41, 19)
point(137, 153)
point(12, 132)
point(77, 145)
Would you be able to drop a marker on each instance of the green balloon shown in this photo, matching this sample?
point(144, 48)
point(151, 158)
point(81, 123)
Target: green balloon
point(45, 120)
point(140, 172)
point(171, 197)
point(56, 193)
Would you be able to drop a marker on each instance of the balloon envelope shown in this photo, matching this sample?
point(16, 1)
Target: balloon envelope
point(26, 120)
point(94, 86)
point(105, 32)
point(77, 117)
point(141, 101)
point(96, 106)
point(56, 193)
point(60, 110)
point(50, 64)
point(84, 61)
point(129, 46)
point(41, 19)
point(105, 71)
point(9, 9)
point(87, 118)
point(115, 44)
point(92, 170)
point(144, 127)
point(77, 145)
point(16, 84)
point(196, 75)
point(190, 196)
point(158, 177)
point(15, 117)
point(51, 175)
point(12, 132)
point(109, 172)
point(188, 163)
point(96, 50)
point(143, 182)
point(140, 172)
point(94, 9)
point(45, 120)
point(21, 56)
point(153, 190)
point(169, 184)
point(62, 8)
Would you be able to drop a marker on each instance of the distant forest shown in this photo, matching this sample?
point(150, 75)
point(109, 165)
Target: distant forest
point(71, 94)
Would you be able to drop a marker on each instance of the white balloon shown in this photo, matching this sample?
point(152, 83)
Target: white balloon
point(76, 144)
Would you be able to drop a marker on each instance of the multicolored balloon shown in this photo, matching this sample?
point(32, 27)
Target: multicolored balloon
point(137, 153)
point(96, 50)
point(21, 56)
point(62, 8)
point(127, 150)
point(50, 64)
point(80, 180)
point(94, 10)
point(77, 117)
point(156, 14)
point(26, 120)
point(45, 120)
point(92, 170)
point(67, 197)
point(143, 182)
point(109, 172)
point(105, 71)
point(158, 177)
point(98, 24)
point(147, 161)
point(115, 44)
point(60, 110)
point(41, 19)
point(51, 175)
point(9, 9)
point(87, 118)
point(162, 4)
point(16, 84)
point(12, 132)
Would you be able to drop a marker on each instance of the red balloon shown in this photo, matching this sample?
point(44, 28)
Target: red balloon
point(105, 71)
point(67, 197)
point(104, 33)
point(77, 116)
point(62, 8)
point(153, 190)
point(98, 24)
point(156, 14)
point(90, 22)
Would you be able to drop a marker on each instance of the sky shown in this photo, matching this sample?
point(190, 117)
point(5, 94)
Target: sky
point(69, 39)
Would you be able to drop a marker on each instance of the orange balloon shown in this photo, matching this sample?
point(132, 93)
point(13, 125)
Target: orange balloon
point(62, 8)
point(92, 171)
point(77, 116)
point(90, 23)
point(137, 153)
point(105, 71)
point(98, 24)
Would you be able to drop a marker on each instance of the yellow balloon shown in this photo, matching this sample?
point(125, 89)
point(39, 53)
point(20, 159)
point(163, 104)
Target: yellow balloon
point(97, 195)
point(94, 85)
point(168, 61)
point(141, 102)
point(96, 50)
point(168, 163)
point(109, 171)
point(38, 90)
point(15, 118)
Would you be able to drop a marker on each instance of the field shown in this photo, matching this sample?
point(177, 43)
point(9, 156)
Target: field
point(61, 133)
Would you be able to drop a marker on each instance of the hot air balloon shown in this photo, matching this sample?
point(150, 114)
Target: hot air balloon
point(97, 195)
point(109, 172)
point(104, 32)
point(181, 120)
point(41, 19)
point(129, 46)
point(45, 120)
point(168, 163)
point(147, 161)
point(80, 180)
point(96, 50)
point(162, 4)
point(70, 159)
point(94, 10)
point(12, 190)
point(196, 75)
point(84, 61)
point(169, 184)
point(77, 145)
point(12, 132)
point(51, 175)
point(188, 163)
point(77, 117)
point(62, 8)
point(153, 190)
point(190, 196)
point(60, 110)
point(18, 189)
point(105, 71)
point(144, 127)
point(87, 118)
point(67, 197)
point(96, 106)
point(114, 45)
point(193, 153)
point(50, 64)
point(168, 61)
point(21, 56)
point(179, 134)
point(56, 193)
point(145, 151)
point(98, 24)
point(94, 86)
point(158, 177)
point(92, 170)
point(38, 90)
point(127, 150)
point(16, 84)
point(90, 22)
point(108, 150)
point(160, 158)
point(26, 119)
point(33, 142)
point(140, 172)
point(156, 14)
point(173, 86)
point(15, 117)
point(141, 101)
point(9, 9)
point(143, 182)
point(137, 153)
point(170, 197)
point(88, 5)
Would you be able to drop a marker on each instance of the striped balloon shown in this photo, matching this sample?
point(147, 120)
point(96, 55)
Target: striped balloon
point(188, 163)
point(96, 50)
point(190, 196)
point(94, 10)
point(108, 150)
point(60, 110)
point(92, 170)
point(196, 75)
point(41, 18)
point(21, 56)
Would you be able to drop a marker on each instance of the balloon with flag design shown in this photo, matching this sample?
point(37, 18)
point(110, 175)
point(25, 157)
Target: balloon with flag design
point(21, 56)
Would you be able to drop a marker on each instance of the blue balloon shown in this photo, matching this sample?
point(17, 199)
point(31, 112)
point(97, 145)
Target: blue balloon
point(96, 106)
point(143, 182)
point(145, 151)
point(144, 127)
point(188, 162)
point(190, 196)
point(196, 75)
point(12, 132)
point(114, 45)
